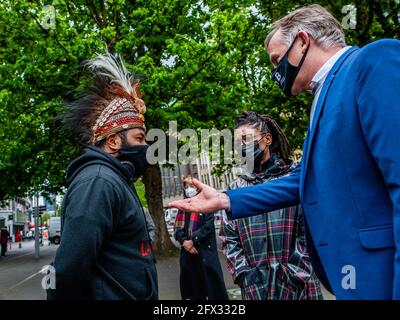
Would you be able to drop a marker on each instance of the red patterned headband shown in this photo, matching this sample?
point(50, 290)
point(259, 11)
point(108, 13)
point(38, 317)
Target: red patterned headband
point(119, 115)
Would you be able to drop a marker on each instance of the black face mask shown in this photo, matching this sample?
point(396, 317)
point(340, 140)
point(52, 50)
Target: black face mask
point(285, 73)
point(136, 155)
point(256, 153)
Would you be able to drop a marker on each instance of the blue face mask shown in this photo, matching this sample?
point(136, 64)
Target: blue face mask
point(285, 73)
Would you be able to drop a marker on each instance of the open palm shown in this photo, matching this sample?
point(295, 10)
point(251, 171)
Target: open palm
point(208, 200)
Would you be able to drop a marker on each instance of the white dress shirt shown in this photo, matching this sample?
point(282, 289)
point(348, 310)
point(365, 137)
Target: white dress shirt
point(319, 78)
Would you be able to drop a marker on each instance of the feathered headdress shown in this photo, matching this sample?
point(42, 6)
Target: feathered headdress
point(126, 109)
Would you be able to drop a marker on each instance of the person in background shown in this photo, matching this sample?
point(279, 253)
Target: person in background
point(201, 275)
point(18, 238)
point(4, 235)
point(152, 229)
point(266, 254)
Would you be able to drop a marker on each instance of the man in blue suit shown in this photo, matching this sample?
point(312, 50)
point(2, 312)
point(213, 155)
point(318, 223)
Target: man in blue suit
point(349, 178)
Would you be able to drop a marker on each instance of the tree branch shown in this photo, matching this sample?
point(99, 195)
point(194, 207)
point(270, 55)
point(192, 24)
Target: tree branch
point(95, 14)
point(383, 20)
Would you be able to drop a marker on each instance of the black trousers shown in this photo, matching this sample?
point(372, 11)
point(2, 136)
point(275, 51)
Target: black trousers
point(3, 249)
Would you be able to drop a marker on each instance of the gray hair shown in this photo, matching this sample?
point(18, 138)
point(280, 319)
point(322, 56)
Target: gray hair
point(314, 19)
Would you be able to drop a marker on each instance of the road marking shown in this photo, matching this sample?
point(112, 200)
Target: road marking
point(234, 294)
point(29, 278)
point(6, 263)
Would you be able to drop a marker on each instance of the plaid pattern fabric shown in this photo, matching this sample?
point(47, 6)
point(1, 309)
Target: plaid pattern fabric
point(193, 222)
point(180, 222)
point(267, 255)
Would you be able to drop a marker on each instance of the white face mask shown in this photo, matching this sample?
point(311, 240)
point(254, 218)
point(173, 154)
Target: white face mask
point(190, 192)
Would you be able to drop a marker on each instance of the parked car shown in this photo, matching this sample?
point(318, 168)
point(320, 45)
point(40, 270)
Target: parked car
point(55, 230)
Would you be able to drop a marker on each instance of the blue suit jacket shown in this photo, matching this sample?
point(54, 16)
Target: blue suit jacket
point(349, 178)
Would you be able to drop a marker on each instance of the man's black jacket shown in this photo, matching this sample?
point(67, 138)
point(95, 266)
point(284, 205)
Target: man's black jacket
point(105, 248)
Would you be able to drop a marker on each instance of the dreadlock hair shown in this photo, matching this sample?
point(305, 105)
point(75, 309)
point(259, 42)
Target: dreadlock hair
point(109, 80)
point(265, 124)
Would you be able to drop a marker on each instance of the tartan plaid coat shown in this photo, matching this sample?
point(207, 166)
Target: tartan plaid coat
point(266, 254)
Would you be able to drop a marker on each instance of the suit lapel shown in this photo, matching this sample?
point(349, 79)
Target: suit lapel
point(318, 110)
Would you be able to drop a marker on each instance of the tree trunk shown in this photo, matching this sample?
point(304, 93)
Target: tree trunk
point(153, 192)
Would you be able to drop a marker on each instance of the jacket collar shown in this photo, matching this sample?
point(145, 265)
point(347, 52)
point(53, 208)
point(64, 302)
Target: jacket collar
point(274, 167)
point(321, 75)
point(95, 155)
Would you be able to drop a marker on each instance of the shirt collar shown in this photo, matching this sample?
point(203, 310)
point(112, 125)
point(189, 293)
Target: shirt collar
point(319, 78)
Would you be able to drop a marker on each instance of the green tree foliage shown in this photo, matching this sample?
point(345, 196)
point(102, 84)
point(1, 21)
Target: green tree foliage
point(139, 186)
point(202, 63)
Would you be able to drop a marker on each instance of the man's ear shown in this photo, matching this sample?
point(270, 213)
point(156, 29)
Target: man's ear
point(305, 40)
point(113, 142)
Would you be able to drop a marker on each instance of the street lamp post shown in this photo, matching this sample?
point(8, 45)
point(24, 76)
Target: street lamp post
point(36, 215)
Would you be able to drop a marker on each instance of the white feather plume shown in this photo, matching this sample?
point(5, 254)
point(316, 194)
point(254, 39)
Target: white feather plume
point(112, 67)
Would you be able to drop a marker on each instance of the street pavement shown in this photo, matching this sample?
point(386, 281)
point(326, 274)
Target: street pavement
point(20, 277)
point(20, 274)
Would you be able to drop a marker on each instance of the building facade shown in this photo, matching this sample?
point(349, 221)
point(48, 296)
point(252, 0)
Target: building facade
point(14, 215)
point(17, 214)
point(172, 177)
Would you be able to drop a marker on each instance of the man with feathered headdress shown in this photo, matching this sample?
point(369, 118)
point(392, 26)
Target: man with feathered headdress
point(105, 250)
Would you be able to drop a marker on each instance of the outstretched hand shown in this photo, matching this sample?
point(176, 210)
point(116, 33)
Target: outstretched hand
point(208, 200)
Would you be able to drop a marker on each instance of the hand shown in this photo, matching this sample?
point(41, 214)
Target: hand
point(189, 246)
point(208, 200)
point(193, 250)
point(240, 280)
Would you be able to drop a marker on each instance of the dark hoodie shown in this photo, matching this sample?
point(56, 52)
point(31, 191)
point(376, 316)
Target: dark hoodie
point(105, 248)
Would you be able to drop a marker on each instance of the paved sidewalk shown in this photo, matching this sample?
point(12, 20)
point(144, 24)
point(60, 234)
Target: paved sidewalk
point(168, 280)
point(20, 277)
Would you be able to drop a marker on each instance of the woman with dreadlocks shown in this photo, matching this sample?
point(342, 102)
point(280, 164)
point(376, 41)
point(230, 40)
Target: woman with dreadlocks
point(105, 250)
point(266, 254)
